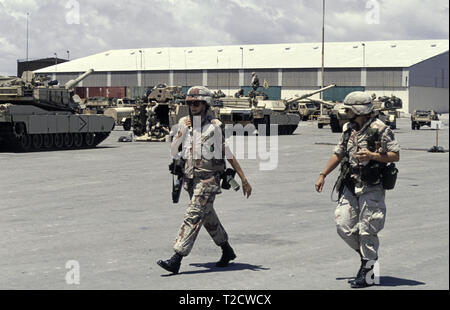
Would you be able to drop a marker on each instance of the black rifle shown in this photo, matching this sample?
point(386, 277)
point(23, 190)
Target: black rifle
point(176, 169)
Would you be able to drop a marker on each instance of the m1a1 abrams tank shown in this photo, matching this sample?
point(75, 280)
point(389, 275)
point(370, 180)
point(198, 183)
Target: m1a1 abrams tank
point(257, 109)
point(35, 116)
point(152, 121)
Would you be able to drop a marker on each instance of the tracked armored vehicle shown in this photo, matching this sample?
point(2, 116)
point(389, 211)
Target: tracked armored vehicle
point(36, 117)
point(152, 121)
point(258, 110)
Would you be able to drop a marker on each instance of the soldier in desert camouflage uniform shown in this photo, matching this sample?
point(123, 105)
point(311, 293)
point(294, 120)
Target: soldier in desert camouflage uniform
point(204, 151)
point(361, 209)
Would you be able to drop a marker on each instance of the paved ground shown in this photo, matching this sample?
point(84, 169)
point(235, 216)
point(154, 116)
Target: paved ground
point(109, 209)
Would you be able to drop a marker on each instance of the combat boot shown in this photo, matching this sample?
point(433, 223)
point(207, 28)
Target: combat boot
point(360, 267)
point(361, 280)
point(172, 264)
point(227, 255)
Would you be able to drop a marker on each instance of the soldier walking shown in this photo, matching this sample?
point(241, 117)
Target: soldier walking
point(201, 179)
point(366, 146)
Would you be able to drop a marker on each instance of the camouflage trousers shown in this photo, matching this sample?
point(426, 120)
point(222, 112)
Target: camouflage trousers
point(359, 219)
point(200, 212)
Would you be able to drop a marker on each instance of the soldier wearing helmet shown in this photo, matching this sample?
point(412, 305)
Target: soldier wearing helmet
point(255, 81)
point(204, 151)
point(366, 146)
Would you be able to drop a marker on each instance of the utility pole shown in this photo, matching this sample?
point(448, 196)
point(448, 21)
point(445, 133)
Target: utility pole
point(323, 46)
point(28, 14)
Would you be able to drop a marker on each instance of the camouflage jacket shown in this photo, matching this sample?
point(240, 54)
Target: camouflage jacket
point(359, 140)
point(203, 148)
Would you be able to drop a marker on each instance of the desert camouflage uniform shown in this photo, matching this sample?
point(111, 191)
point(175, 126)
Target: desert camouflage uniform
point(202, 182)
point(361, 215)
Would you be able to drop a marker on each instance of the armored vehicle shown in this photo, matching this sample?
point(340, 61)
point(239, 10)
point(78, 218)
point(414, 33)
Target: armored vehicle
point(307, 107)
point(122, 111)
point(153, 120)
point(421, 118)
point(385, 108)
point(35, 116)
point(257, 109)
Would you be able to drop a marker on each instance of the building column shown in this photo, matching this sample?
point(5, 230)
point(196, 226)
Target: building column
point(205, 78)
point(241, 78)
point(108, 79)
point(170, 78)
point(405, 77)
point(139, 78)
point(363, 77)
point(280, 77)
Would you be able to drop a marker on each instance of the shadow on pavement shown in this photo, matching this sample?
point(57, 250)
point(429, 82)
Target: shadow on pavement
point(392, 281)
point(211, 267)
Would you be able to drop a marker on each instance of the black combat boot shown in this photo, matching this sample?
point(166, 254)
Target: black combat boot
point(361, 280)
point(227, 255)
point(172, 264)
point(360, 267)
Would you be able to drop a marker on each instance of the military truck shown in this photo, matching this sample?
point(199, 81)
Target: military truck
point(153, 120)
point(35, 116)
point(122, 112)
point(421, 118)
point(257, 109)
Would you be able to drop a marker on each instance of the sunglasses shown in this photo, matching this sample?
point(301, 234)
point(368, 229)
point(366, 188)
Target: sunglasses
point(194, 103)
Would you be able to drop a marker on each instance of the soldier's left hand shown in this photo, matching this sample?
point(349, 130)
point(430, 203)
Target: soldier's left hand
point(246, 188)
point(364, 155)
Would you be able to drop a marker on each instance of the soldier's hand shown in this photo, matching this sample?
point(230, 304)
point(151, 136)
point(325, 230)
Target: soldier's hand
point(364, 155)
point(319, 183)
point(187, 122)
point(246, 188)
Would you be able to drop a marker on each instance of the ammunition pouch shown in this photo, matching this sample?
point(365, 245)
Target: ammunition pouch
point(370, 173)
point(228, 180)
point(389, 176)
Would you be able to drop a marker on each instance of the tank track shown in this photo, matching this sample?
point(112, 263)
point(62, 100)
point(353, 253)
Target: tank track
point(48, 142)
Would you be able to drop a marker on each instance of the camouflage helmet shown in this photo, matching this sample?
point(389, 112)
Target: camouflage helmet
point(253, 73)
point(199, 93)
point(359, 102)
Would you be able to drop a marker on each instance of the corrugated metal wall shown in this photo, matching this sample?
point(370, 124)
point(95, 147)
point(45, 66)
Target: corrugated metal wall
point(432, 72)
point(343, 77)
point(96, 79)
point(124, 78)
point(63, 78)
point(154, 77)
point(223, 78)
point(188, 77)
point(299, 77)
point(271, 76)
point(391, 77)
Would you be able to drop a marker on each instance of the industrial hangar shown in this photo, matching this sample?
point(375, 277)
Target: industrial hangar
point(414, 70)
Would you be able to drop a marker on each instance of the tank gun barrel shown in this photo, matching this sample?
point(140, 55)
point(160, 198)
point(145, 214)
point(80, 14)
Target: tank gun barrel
point(310, 94)
point(71, 84)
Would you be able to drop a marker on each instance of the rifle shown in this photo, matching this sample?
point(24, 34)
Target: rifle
point(176, 169)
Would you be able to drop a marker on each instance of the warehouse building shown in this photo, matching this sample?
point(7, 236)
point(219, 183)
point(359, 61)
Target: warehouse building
point(414, 70)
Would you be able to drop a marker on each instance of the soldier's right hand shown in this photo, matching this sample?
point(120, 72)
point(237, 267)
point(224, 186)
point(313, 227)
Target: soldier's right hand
point(319, 183)
point(187, 122)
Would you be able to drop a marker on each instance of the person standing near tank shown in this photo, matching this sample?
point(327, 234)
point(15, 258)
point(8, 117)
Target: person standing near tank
point(254, 82)
point(201, 178)
point(366, 146)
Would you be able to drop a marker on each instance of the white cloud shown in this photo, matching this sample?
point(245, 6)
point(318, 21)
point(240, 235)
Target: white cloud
point(108, 25)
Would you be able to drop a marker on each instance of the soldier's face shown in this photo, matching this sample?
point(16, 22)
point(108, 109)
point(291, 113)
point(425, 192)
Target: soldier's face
point(197, 107)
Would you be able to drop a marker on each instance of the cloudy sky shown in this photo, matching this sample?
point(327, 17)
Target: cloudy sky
point(86, 27)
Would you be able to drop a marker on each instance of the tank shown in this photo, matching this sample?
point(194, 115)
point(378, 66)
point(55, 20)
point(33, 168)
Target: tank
point(151, 121)
point(306, 107)
point(257, 109)
point(37, 114)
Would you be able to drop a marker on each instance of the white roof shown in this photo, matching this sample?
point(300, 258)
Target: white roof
point(400, 53)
